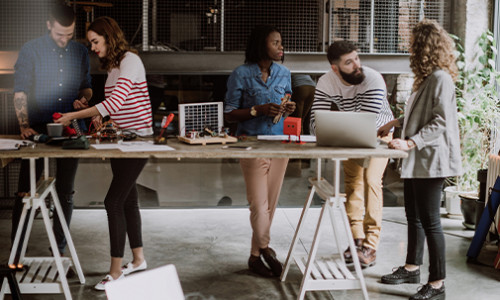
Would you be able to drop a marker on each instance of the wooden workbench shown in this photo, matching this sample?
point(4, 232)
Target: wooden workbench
point(259, 149)
point(318, 274)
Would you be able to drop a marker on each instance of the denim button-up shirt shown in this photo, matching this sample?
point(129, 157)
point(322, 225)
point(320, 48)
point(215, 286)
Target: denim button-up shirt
point(51, 76)
point(245, 88)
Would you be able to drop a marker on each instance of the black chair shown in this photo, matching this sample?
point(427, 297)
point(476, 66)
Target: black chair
point(9, 272)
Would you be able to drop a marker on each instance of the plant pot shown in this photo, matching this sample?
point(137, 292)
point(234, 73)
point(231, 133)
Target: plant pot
point(468, 209)
point(452, 202)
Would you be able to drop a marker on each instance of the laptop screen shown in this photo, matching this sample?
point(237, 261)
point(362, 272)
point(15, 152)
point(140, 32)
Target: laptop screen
point(346, 129)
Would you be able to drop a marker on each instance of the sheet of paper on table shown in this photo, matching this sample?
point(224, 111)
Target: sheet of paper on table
point(134, 147)
point(143, 146)
point(303, 138)
point(10, 144)
point(104, 146)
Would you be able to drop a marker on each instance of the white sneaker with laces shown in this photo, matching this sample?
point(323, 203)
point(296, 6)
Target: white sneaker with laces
point(106, 279)
point(129, 268)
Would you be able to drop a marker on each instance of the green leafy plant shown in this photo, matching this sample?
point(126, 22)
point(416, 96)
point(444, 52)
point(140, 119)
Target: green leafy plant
point(478, 108)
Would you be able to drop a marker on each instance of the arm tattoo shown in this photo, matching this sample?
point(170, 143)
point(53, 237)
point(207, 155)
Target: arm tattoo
point(21, 106)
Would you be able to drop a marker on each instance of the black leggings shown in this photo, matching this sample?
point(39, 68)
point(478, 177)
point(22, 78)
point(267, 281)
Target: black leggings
point(122, 207)
point(422, 203)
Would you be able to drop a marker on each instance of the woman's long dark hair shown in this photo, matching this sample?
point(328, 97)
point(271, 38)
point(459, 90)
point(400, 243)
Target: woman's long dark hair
point(116, 44)
point(257, 44)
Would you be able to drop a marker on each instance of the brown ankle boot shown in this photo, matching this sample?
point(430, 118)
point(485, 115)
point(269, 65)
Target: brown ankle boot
point(347, 254)
point(367, 256)
point(256, 265)
point(269, 256)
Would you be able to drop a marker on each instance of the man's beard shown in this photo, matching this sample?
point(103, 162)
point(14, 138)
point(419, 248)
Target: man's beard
point(352, 78)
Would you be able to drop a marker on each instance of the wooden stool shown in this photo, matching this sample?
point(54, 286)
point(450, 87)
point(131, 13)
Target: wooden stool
point(330, 272)
point(44, 275)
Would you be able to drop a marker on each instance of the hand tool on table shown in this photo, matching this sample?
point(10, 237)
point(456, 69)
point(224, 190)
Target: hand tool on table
point(164, 124)
point(284, 100)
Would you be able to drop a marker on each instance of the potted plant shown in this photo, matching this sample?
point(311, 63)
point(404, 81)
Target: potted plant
point(478, 111)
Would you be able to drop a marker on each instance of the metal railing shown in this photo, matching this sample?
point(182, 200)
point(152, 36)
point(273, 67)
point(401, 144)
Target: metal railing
point(307, 26)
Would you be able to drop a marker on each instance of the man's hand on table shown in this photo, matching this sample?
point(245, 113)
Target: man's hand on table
point(26, 132)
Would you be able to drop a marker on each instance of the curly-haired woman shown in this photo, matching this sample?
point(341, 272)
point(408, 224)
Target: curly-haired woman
point(430, 131)
point(128, 104)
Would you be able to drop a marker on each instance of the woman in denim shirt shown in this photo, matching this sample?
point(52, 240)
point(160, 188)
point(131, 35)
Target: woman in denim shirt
point(253, 98)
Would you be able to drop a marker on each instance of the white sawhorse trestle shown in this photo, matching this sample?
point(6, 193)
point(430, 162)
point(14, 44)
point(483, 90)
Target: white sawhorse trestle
point(326, 273)
point(42, 275)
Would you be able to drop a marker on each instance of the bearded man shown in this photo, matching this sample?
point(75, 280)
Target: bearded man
point(350, 87)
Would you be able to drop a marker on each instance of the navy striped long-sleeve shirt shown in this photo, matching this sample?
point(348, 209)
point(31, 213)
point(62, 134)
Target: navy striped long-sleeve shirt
point(368, 96)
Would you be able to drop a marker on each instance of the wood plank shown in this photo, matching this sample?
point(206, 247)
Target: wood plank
point(208, 140)
point(52, 275)
point(316, 274)
point(324, 269)
point(323, 188)
point(333, 284)
point(335, 271)
point(20, 275)
point(264, 149)
point(42, 273)
point(300, 263)
point(344, 270)
point(33, 268)
point(40, 288)
point(66, 264)
point(314, 271)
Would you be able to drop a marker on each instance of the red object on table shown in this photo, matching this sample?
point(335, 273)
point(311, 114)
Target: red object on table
point(292, 126)
point(67, 131)
point(165, 122)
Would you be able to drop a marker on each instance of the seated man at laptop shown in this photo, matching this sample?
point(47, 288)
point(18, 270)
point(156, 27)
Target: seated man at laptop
point(350, 87)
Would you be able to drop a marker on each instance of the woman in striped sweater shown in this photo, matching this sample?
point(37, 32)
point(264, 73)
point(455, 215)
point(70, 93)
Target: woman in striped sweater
point(128, 105)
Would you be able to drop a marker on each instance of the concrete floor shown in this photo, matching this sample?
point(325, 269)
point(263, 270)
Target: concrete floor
point(210, 248)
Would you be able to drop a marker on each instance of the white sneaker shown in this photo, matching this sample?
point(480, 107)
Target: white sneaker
point(129, 268)
point(108, 278)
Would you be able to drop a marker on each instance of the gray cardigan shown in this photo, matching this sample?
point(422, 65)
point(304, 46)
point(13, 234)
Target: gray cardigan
point(432, 124)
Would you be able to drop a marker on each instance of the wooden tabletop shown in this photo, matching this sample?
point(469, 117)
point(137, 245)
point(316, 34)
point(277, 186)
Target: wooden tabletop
point(262, 149)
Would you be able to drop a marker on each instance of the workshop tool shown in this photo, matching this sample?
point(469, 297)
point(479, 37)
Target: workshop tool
point(67, 130)
point(284, 100)
point(164, 124)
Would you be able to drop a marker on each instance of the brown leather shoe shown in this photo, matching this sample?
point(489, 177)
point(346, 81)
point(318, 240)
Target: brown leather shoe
point(367, 256)
point(347, 254)
point(256, 265)
point(269, 256)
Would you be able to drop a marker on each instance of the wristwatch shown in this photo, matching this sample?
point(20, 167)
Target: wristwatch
point(410, 143)
point(253, 111)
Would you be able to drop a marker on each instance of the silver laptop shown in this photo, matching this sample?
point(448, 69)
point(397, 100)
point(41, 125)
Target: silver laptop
point(346, 129)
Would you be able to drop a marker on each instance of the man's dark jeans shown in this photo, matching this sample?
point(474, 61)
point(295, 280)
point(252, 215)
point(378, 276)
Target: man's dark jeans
point(65, 177)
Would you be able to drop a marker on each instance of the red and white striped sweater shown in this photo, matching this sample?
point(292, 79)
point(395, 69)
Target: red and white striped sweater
point(127, 98)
